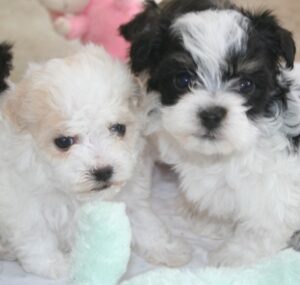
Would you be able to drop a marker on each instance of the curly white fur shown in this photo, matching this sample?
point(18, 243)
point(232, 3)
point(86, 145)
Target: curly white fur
point(42, 186)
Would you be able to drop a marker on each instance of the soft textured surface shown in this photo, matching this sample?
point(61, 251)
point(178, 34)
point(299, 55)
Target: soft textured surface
point(103, 245)
point(282, 269)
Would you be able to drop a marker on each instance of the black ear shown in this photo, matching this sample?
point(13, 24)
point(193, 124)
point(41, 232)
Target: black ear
point(5, 64)
point(288, 47)
point(278, 40)
point(141, 23)
point(144, 34)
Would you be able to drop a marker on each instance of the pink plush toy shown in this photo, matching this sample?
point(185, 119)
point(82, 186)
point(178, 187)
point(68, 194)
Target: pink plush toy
point(96, 21)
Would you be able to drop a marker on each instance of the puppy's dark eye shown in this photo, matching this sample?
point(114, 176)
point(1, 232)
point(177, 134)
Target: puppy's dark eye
point(64, 143)
point(247, 86)
point(118, 129)
point(182, 80)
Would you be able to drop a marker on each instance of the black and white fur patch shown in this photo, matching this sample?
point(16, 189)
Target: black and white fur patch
point(219, 46)
point(230, 119)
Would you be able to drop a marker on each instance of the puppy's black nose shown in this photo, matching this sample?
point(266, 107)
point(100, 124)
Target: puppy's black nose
point(212, 117)
point(103, 174)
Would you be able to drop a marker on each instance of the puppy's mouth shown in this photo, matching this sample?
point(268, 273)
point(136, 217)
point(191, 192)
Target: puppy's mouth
point(107, 186)
point(101, 188)
point(210, 136)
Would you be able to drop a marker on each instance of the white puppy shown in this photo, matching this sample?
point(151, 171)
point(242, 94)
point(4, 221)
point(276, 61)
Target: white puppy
point(69, 132)
point(230, 121)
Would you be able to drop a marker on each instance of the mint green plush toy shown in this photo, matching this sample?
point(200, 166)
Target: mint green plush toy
point(283, 269)
point(103, 250)
point(102, 246)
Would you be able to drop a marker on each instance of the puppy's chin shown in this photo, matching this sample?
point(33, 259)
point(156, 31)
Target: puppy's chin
point(211, 146)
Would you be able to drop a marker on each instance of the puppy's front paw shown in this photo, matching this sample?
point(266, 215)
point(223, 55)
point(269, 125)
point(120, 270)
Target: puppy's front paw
point(62, 26)
point(172, 254)
point(54, 267)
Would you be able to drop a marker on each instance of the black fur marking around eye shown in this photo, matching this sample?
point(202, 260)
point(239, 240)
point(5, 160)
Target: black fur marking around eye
point(162, 78)
point(155, 48)
point(5, 64)
point(268, 44)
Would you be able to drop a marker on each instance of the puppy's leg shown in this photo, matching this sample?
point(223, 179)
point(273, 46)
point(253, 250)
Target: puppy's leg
point(151, 238)
point(249, 246)
point(202, 224)
point(36, 248)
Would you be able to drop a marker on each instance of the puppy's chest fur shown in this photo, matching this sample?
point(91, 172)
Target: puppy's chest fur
point(28, 186)
point(261, 183)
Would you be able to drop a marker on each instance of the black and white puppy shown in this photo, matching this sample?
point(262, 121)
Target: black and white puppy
point(230, 118)
point(5, 64)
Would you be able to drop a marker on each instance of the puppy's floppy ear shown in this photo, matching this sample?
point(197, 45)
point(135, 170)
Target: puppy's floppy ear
point(141, 22)
point(5, 64)
point(144, 34)
point(12, 108)
point(15, 105)
point(278, 40)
